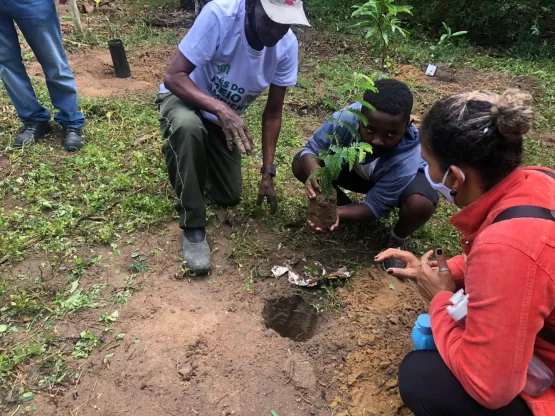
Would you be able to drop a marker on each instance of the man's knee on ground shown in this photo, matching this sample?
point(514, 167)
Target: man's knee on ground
point(419, 206)
point(227, 200)
point(184, 127)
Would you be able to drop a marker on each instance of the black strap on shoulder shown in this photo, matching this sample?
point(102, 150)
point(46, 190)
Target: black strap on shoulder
point(525, 211)
point(532, 211)
point(547, 172)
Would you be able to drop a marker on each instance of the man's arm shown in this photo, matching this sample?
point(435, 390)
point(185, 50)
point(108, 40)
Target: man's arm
point(271, 126)
point(271, 123)
point(177, 80)
point(198, 49)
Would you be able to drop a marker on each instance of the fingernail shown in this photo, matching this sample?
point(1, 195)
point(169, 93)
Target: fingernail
point(439, 252)
point(390, 271)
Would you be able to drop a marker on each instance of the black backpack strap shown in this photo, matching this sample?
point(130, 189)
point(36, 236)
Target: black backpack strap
point(525, 211)
point(547, 334)
point(547, 172)
point(532, 211)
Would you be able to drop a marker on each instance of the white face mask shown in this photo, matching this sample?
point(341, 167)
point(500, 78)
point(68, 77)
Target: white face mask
point(441, 187)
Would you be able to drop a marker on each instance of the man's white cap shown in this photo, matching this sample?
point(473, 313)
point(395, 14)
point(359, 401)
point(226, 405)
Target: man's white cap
point(286, 12)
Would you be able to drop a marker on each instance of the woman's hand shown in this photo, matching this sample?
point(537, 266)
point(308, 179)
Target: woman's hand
point(431, 276)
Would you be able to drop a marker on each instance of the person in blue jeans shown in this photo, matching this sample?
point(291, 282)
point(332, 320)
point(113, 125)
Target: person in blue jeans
point(39, 23)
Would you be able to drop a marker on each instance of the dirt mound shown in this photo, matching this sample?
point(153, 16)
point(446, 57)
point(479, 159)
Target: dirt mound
point(381, 311)
point(203, 346)
point(94, 72)
point(453, 80)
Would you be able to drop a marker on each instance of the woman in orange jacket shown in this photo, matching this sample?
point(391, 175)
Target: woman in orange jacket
point(473, 143)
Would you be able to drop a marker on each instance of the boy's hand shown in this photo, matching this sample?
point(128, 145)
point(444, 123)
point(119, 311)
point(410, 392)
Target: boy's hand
point(312, 187)
point(319, 230)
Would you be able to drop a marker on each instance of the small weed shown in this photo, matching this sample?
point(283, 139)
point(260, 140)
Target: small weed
point(85, 345)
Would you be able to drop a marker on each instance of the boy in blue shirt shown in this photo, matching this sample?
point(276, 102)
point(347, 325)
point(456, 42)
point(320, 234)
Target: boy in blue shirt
point(391, 177)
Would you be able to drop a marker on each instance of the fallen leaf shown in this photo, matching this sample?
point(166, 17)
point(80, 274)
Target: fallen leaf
point(391, 286)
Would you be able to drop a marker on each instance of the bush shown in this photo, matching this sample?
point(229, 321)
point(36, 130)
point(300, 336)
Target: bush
point(495, 22)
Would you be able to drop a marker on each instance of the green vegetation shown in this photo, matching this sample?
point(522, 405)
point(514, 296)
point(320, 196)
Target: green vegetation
point(441, 49)
point(381, 22)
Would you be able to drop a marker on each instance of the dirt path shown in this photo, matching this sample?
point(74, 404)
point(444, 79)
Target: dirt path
point(200, 346)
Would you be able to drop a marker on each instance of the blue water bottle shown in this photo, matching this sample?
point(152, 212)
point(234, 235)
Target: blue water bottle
point(422, 338)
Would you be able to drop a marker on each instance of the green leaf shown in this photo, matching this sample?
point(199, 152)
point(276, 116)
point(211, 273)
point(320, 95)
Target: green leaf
point(361, 117)
point(391, 286)
point(120, 336)
point(385, 37)
point(461, 33)
point(27, 396)
point(274, 413)
point(3, 328)
point(370, 32)
point(74, 286)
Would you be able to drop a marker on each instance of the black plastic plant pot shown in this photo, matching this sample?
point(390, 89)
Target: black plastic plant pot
point(119, 58)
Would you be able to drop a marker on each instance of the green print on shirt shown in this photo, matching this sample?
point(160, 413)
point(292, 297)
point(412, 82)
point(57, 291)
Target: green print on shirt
point(227, 92)
point(223, 69)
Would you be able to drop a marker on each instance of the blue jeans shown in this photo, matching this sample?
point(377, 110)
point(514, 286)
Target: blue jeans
point(39, 23)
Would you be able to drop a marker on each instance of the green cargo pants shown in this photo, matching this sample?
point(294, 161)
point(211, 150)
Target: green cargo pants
point(198, 161)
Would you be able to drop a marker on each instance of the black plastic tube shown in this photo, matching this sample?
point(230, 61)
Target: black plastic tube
point(119, 58)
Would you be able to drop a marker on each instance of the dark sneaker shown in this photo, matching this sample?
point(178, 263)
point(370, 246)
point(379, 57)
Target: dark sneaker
point(395, 263)
point(196, 251)
point(73, 140)
point(32, 133)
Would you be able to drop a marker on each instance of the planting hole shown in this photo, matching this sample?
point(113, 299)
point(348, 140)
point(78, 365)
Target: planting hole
point(291, 317)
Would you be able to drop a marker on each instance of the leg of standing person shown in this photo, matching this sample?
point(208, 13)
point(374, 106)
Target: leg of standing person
point(18, 85)
point(417, 204)
point(429, 388)
point(40, 25)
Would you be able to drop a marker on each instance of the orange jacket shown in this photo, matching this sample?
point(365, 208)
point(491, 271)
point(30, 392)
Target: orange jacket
point(509, 275)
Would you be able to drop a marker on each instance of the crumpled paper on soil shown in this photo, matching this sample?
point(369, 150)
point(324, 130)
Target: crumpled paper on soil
point(305, 279)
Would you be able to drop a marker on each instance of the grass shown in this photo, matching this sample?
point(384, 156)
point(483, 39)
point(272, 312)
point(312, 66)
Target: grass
point(59, 205)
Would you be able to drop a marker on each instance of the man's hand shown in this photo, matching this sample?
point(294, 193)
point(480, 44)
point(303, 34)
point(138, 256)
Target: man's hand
point(235, 130)
point(267, 192)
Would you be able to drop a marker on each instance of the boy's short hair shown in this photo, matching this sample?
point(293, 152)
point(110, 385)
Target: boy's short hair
point(393, 97)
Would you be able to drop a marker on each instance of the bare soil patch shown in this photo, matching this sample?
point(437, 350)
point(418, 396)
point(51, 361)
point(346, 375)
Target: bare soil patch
point(94, 72)
point(204, 346)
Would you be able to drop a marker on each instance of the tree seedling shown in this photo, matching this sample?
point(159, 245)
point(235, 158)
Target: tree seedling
point(381, 22)
point(322, 211)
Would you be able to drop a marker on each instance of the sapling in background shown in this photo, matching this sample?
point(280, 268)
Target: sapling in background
point(441, 48)
point(381, 22)
point(322, 211)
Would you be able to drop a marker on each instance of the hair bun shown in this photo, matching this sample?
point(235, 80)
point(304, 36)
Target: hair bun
point(513, 113)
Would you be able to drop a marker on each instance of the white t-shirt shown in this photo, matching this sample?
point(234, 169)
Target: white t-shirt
point(226, 66)
point(367, 170)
